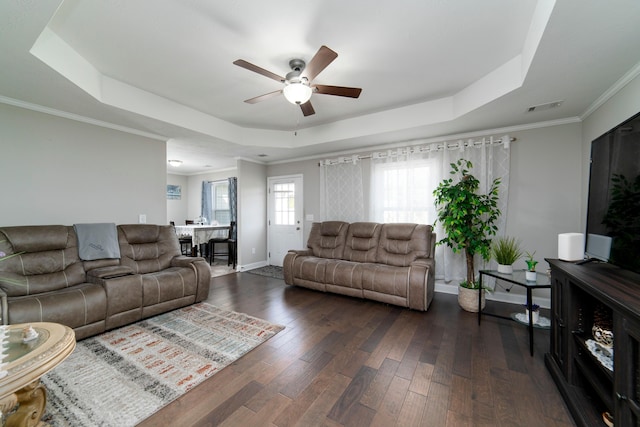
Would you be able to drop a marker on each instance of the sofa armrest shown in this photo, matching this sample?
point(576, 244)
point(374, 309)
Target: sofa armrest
point(110, 272)
point(202, 270)
point(424, 262)
point(185, 261)
point(287, 263)
point(301, 252)
point(4, 313)
point(421, 283)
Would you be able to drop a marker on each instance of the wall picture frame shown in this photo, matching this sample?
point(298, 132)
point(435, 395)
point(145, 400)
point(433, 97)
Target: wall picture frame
point(174, 192)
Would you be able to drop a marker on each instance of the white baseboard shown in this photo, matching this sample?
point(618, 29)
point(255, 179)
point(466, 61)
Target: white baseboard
point(500, 296)
point(252, 266)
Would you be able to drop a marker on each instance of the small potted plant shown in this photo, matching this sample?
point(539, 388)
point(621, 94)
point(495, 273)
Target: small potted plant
point(535, 312)
point(506, 251)
point(530, 274)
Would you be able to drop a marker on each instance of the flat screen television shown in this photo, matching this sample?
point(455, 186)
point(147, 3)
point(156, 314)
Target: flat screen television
point(614, 192)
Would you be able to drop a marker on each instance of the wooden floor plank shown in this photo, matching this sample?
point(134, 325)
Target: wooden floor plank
point(352, 394)
point(437, 403)
point(344, 361)
point(413, 409)
point(375, 392)
point(389, 411)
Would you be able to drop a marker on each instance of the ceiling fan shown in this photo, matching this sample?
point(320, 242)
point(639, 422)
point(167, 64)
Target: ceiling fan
point(297, 83)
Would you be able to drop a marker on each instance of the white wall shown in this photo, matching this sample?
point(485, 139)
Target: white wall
point(177, 209)
point(545, 189)
point(59, 171)
point(252, 214)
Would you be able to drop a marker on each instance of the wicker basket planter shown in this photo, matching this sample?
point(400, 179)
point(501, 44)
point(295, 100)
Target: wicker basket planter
point(468, 299)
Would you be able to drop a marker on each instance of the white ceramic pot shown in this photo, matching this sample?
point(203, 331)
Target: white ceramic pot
point(530, 276)
point(505, 269)
point(535, 315)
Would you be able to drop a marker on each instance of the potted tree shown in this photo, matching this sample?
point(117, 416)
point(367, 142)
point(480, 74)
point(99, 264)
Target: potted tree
point(506, 251)
point(468, 219)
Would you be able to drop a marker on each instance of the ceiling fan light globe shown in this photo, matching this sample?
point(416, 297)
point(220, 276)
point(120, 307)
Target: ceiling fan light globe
point(297, 93)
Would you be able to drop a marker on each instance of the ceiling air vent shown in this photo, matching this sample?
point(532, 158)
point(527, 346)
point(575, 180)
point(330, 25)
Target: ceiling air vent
point(542, 107)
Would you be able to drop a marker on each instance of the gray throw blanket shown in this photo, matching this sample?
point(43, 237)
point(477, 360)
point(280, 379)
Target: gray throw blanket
point(97, 241)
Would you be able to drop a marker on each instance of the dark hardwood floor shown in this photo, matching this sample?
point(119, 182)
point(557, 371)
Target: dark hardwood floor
point(348, 362)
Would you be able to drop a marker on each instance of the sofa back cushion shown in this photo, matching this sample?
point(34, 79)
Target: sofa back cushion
point(47, 259)
point(362, 242)
point(147, 248)
point(326, 239)
point(401, 244)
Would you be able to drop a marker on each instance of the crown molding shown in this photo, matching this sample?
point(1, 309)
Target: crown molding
point(451, 137)
point(78, 118)
point(614, 89)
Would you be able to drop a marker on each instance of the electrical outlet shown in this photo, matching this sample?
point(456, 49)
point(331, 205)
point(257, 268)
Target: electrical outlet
point(253, 251)
point(142, 219)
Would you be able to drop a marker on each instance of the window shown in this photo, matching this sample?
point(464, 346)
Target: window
point(220, 206)
point(284, 199)
point(402, 191)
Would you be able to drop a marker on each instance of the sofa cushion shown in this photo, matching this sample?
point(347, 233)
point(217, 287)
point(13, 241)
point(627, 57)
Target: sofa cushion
point(386, 279)
point(147, 248)
point(49, 266)
point(38, 238)
point(326, 239)
point(310, 269)
point(82, 305)
point(362, 241)
point(169, 284)
point(343, 273)
point(401, 244)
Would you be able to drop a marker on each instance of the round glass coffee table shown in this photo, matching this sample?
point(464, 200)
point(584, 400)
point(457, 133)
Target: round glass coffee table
point(23, 362)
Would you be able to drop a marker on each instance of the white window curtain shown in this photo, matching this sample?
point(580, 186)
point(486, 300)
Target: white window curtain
point(341, 189)
point(403, 181)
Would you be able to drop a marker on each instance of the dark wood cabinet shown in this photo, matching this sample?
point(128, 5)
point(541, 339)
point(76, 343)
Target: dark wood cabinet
point(600, 294)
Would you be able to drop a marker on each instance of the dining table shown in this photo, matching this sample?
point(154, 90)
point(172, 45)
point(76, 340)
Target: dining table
point(201, 234)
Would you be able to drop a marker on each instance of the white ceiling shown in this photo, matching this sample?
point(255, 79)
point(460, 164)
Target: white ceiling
point(429, 68)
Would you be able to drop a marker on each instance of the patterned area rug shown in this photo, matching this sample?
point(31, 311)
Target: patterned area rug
point(121, 377)
point(269, 271)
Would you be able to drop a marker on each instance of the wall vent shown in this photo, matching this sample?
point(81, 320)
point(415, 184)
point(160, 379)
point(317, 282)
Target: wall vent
point(542, 107)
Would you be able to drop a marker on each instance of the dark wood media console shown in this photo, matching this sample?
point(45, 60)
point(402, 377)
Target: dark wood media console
point(580, 296)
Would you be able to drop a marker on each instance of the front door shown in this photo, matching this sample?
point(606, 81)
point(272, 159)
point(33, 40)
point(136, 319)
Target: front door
point(284, 227)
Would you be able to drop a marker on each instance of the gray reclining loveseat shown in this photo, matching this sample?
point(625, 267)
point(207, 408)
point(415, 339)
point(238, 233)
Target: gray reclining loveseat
point(48, 282)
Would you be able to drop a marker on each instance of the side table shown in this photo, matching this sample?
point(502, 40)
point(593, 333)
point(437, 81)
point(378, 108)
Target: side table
point(543, 281)
point(22, 398)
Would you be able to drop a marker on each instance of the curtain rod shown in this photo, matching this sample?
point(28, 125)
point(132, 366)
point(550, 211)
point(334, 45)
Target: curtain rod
point(436, 146)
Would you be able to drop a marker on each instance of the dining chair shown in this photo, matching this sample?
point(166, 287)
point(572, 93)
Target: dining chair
point(231, 246)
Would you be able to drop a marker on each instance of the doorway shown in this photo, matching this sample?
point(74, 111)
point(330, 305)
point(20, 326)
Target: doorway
point(284, 221)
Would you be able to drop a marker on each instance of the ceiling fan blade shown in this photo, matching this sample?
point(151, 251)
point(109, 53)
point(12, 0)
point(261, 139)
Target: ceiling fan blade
point(319, 62)
point(263, 97)
point(351, 92)
point(249, 66)
point(307, 109)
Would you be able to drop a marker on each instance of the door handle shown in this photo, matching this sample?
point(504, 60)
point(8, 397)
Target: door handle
point(297, 228)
